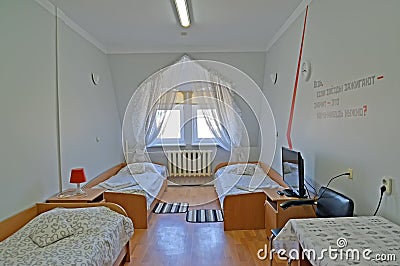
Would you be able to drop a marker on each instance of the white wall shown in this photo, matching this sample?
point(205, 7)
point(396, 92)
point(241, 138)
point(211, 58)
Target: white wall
point(345, 41)
point(89, 121)
point(28, 157)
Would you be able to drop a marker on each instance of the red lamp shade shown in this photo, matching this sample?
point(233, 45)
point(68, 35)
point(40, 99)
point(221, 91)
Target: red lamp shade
point(77, 176)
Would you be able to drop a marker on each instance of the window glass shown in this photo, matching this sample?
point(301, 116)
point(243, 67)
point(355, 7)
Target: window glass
point(171, 128)
point(203, 130)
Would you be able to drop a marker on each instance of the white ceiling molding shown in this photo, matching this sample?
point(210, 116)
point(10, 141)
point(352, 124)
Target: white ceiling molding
point(296, 13)
point(51, 8)
point(47, 5)
point(187, 50)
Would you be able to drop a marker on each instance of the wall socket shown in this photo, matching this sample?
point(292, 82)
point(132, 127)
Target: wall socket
point(350, 176)
point(387, 182)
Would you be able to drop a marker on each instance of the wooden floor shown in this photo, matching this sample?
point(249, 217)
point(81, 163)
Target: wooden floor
point(170, 240)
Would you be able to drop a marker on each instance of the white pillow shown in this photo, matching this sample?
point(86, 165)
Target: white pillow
point(232, 169)
point(246, 169)
point(136, 168)
point(132, 169)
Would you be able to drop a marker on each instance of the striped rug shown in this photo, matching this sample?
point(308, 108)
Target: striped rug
point(175, 207)
point(204, 216)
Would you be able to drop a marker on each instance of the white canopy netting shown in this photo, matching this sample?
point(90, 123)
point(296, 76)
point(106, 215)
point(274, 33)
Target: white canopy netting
point(158, 92)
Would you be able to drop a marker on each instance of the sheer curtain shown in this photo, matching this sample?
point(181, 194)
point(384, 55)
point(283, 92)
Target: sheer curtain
point(157, 93)
point(222, 115)
point(149, 97)
point(165, 102)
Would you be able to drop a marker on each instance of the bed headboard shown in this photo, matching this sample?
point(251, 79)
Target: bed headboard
point(104, 176)
point(274, 175)
point(223, 164)
point(107, 174)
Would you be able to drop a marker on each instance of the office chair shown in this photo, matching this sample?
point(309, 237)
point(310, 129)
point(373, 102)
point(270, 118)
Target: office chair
point(329, 204)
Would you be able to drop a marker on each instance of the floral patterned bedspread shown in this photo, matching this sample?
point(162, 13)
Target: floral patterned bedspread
point(364, 240)
point(98, 236)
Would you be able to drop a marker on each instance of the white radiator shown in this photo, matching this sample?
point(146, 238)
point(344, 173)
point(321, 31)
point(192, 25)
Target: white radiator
point(189, 162)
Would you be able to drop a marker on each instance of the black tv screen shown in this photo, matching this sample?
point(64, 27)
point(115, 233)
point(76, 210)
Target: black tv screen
point(293, 171)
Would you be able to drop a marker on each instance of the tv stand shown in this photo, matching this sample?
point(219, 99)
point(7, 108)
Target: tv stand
point(276, 216)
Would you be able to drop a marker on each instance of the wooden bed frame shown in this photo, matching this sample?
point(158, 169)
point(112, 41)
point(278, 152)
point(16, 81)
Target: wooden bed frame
point(135, 205)
point(16, 222)
point(247, 211)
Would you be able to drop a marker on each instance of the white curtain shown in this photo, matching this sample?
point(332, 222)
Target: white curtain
point(165, 102)
point(155, 94)
point(149, 97)
point(222, 115)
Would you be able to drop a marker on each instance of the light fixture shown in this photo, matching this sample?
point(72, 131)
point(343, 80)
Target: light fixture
point(95, 78)
point(183, 12)
point(306, 70)
point(77, 177)
point(274, 78)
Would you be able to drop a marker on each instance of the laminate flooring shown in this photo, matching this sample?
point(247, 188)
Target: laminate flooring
point(170, 240)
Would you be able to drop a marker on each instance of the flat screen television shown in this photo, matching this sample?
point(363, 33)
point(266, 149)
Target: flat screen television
point(293, 172)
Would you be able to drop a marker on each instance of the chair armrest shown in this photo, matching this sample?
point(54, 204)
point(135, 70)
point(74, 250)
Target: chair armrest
point(291, 203)
point(275, 231)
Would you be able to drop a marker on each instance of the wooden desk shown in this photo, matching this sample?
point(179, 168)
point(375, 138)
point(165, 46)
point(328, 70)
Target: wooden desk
point(93, 195)
point(276, 217)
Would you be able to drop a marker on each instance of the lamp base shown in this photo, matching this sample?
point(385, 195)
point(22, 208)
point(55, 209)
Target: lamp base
point(79, 191)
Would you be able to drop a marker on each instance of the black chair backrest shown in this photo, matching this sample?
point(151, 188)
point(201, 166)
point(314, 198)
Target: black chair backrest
point(333, 204)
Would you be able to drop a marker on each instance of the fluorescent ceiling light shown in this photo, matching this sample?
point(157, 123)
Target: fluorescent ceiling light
point(183, 12)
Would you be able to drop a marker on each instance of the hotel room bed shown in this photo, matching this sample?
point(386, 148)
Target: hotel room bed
point(136, 189)
point(75, 234)
point(244, 209)
point(364, 240)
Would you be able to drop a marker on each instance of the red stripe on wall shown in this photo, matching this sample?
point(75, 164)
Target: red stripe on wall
point(289, 129)
point(380, 77)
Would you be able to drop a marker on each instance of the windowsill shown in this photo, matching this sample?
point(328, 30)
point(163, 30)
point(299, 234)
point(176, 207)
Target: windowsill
point(159, 145)
point(204, 144)
point(182, 145)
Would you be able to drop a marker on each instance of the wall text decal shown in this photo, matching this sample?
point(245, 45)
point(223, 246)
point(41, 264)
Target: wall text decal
point(328, 100)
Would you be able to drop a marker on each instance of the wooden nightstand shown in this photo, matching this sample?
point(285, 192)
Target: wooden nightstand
point(93, 195)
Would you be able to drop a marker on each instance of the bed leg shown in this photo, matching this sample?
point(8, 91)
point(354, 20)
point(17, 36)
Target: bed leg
point(128, 252)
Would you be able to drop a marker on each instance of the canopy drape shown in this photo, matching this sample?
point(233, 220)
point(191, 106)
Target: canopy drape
point(158, 92)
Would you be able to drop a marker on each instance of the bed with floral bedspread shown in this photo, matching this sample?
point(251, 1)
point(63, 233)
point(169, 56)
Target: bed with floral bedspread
point(79, 236)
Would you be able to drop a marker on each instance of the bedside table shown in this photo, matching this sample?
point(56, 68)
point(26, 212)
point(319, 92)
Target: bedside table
point(92, 195)
point(276, 217)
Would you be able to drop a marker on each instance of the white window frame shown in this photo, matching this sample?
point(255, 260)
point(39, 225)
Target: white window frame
point(172, 142)
point(195, 139)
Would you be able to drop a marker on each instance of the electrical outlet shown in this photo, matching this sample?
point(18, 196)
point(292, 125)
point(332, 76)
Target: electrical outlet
point(350, 176)
point(387, 182)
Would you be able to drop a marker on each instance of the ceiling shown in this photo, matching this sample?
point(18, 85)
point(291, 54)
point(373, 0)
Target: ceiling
point(139, 26)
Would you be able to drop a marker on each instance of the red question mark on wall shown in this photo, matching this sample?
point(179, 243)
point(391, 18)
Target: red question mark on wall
point(365, 107)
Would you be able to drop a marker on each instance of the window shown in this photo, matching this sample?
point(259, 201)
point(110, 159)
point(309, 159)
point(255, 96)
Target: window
point(201, 131)
point(184, 124)
point(172, 125)
point(172, 132)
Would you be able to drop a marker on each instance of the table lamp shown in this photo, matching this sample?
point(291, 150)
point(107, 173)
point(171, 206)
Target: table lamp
point(77, 177)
